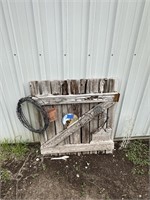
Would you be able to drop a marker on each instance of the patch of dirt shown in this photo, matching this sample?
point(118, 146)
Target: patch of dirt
point(96, 176)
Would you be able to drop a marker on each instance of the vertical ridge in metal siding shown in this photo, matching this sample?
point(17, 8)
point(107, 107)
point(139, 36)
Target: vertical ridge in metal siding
point(38, 35)
point(129, 82)
point(90, 33)
point(66, 70)
point(142, 124)
point(11, 39)
point(58, 38)
point(109, 41)
point(86, 10)
point(127, 59)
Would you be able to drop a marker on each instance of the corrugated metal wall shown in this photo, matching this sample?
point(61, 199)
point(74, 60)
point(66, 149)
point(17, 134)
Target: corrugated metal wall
point(62, 39)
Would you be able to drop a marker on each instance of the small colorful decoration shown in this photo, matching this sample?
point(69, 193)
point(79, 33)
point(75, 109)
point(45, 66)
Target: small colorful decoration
point(69, 119)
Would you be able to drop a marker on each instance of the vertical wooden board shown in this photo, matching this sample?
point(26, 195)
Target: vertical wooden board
point(64, 108)
point(50, 132)
point(94, 88)
point(85, 131)
point(103, 88)
point(110, 110)
point(36, 120)
point(106, 85)
point(74, 88)
point(56, 90)
point(44, 87)
point(34, 88)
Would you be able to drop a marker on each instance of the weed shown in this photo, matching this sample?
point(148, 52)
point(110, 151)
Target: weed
point(19, 150)
point(5, 175)
point(15, 151)
point(82, 192)
point(138, 153)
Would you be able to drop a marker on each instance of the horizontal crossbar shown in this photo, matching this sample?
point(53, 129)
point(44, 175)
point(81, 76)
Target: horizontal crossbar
point(77, 98)
point(73, 148)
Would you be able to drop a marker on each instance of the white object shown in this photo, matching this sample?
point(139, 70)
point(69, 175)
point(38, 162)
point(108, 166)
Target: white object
point(60, 158)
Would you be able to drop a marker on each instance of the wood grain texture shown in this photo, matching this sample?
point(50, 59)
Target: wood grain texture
point(83, 98)
point(85, 131)
point(94, 87)
point(64, 108)
point(36, 119)
point(74, 88)
point(73, 148)
point(46, 87)
point(56, 88)
point(103, 89)
point(110, 110)
point(87, 117)
point(77, 98)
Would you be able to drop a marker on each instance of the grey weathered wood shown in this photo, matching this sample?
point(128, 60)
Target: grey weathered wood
point(34, 88)
point(65, 91)
point(85, 131)
point(44, 87)
point(101, 135)
point(103, 88)
point(94, 87)
point(51, 129)
point(101, 85)
point(106, 85)
point(36, 120)
point(56, 88)
point(87, 117)
point(74, 88)
point(76, 99)
point(110, 110)
point(72, 148)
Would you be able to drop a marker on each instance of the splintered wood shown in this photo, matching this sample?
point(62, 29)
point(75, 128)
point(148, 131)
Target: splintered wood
point(91, 100)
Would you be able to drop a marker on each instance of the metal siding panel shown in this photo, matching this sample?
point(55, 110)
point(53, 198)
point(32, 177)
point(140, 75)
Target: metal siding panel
point(75, 39)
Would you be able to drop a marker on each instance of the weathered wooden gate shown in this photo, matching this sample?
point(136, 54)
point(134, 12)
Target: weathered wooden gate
point(91, 101)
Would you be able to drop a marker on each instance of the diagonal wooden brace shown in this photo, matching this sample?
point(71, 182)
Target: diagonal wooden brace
point(86, 117)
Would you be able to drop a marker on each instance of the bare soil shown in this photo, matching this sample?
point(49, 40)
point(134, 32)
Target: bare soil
point(92, 176)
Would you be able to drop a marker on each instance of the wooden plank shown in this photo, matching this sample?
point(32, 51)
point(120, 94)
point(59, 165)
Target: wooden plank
point(85, 131)
point(34, 88)
point(56, 88)
point(65, 91)
point(77, 99)
point(36, 120)
point(46, 88)
point(103, 88)
point(74, 88)
point(101, 135)
point(87, 117)
point(106, 85)
point(110, 110)
point(73, 148)
point(94, 87)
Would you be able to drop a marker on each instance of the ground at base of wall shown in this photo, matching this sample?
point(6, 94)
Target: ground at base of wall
point(87, 177)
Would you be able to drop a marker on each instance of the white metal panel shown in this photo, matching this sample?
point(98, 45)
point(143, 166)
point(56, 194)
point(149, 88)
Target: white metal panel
point(62, 39)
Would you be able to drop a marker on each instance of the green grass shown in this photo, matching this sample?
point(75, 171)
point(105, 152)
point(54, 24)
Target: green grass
point(15, 151)
point(5, 175)
point(138, 153)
